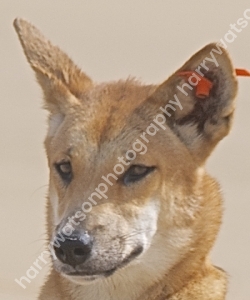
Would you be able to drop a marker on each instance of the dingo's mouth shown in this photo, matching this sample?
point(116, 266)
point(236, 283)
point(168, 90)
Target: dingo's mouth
point(91, 276)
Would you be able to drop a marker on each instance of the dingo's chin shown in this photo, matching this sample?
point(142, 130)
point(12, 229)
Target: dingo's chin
point(84, 280)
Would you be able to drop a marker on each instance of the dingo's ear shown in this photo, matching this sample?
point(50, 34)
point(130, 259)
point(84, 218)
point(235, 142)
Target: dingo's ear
point(61, 80)
point(197, 100)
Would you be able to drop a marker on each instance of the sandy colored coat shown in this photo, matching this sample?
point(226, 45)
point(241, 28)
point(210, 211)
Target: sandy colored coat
point(174, 213)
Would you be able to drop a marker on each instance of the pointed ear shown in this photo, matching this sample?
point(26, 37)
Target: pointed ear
point(198, 100)
point(61, 80)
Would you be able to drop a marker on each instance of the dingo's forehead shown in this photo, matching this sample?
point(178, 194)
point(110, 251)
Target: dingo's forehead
point(107, 107)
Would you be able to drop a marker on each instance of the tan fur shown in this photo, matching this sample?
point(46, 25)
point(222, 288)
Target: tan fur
point(174, 212)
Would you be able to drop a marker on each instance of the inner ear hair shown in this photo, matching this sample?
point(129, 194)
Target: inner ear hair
point(200, 122)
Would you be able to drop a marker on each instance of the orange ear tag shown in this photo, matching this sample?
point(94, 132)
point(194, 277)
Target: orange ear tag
point(242, 72)
point(204, 86)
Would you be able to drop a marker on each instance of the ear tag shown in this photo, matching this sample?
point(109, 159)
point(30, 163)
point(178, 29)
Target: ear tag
point(204, 86)
point(242, 72)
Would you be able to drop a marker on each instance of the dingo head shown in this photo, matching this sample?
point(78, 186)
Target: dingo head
point(126, 160)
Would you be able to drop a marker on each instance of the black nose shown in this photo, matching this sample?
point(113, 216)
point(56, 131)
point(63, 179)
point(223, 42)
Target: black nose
point(74, 250)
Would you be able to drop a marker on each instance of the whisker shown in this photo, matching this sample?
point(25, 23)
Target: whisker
point(38, 189)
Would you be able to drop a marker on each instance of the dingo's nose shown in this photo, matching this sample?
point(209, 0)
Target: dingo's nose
point(75, 249)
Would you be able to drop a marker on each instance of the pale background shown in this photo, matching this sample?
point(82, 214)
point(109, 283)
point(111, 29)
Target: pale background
point(113, 39)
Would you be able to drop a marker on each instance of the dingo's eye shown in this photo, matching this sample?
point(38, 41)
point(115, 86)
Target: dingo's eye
point(136, 173)
point(65, 170)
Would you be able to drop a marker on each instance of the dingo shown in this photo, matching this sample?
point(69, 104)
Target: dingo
point(131, 212)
